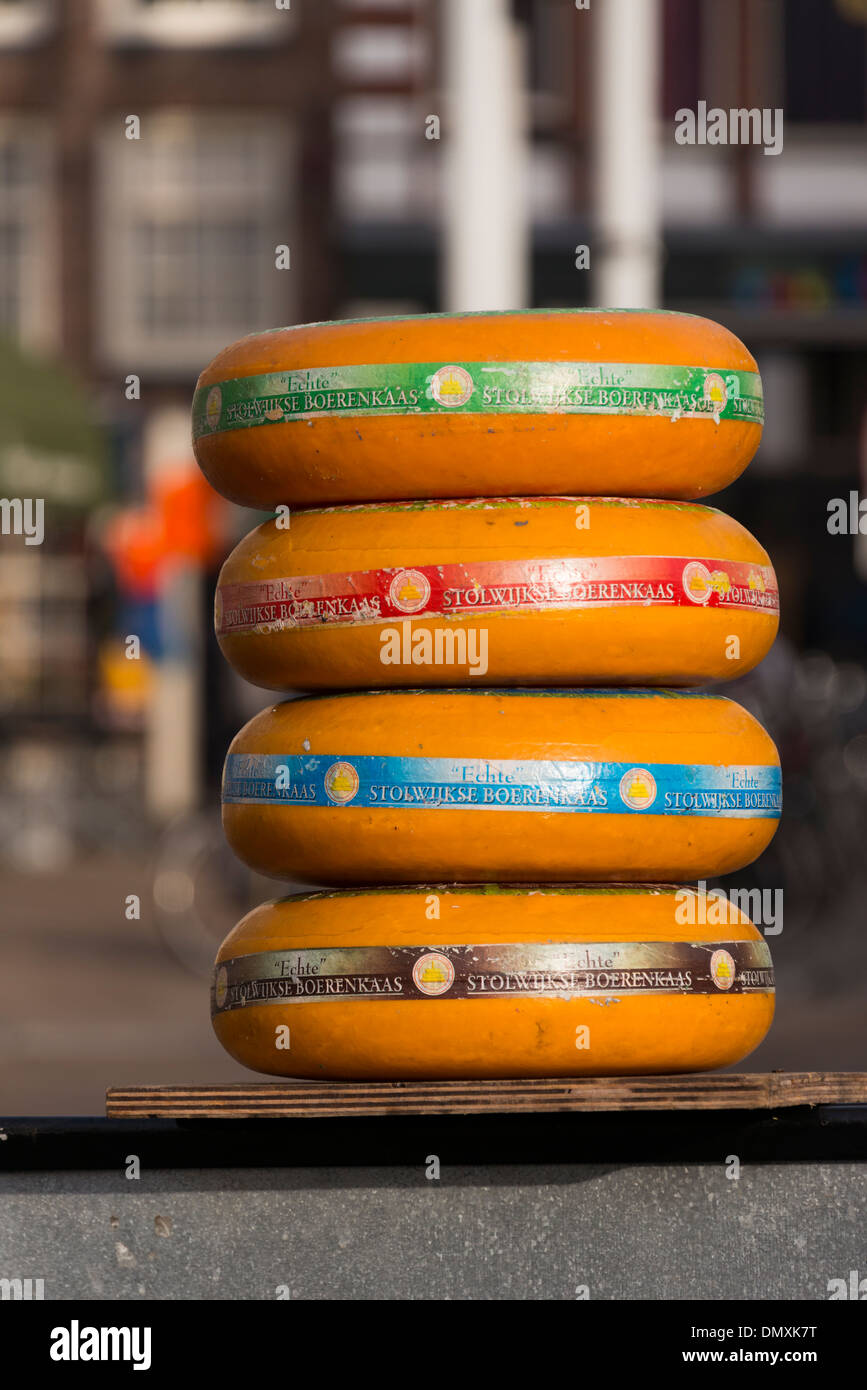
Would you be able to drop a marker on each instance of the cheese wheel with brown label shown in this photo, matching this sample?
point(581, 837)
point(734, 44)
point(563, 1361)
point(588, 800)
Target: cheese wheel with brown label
point(515, 591)
point(441, 982)
point(543, 402)
point(484, 786)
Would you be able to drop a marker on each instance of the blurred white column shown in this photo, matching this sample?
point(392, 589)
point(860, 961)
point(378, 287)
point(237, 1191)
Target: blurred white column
point(173, 773)
point(626, 254)
point(486, 215)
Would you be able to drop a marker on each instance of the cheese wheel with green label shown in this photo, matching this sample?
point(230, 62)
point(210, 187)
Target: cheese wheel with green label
point(515, 591)
point(483, 786)
point(542, 402)
point(441, 982)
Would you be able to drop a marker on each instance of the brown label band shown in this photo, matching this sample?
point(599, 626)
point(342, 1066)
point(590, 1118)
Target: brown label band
point(552, 970)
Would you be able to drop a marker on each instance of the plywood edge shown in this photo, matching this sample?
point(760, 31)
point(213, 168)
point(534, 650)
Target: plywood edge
point(331, 1100)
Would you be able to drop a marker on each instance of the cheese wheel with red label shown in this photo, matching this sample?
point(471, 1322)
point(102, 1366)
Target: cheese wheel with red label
point(442, 982)
point(516, 591)
point(542, 402)
point(482, 786)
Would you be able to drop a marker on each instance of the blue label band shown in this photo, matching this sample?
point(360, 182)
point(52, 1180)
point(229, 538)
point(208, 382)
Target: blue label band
point(372, 781)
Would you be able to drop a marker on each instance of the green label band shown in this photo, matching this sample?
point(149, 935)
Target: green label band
point(558, 970)
point(479, 388)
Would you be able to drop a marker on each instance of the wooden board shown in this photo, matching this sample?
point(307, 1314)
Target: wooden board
point(329, 1100)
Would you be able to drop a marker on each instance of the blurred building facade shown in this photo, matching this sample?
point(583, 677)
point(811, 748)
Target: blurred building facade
point(256, 127)
point(774, 246)
point(155, 155)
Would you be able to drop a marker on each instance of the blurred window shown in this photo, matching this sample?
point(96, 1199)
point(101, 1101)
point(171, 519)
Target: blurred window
point(826, 60)
point(385, 169)
point(808, 56)
point(42, 632)
point(190, 220)
point(382, 6)
point(11, 241)
point(27, 259)
point(24, 21)
point(682, 76)
point(558, 61)
point(196, 23)
point(820, 183)
point(380, 53)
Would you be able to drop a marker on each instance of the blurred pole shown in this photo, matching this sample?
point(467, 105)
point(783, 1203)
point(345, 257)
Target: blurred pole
point(173, 773)
point(626, 257)
point(486, 214)
point(860, 542)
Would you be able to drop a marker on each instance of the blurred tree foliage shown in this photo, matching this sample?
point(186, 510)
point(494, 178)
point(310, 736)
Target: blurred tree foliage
point(51, 445)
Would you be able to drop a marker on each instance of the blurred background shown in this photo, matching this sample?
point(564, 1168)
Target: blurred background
point(154, 157)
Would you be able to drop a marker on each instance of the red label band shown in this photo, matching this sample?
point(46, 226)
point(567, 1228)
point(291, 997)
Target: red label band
point(494, 586)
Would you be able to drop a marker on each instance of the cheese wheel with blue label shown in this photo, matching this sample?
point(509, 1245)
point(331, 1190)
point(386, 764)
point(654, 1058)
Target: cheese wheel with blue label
point(543, 402)
point(510, 591)
point(440, 982)
point(515, 785)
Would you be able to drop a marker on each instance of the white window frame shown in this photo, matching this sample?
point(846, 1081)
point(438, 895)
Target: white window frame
point(123, 199)
point(35, 205)
point(24, 24)
point(196, 23)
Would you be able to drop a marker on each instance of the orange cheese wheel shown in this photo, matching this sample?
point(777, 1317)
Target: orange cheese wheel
point(410, 786)
point(604, 401)
point(507, 592)
point(439, 982)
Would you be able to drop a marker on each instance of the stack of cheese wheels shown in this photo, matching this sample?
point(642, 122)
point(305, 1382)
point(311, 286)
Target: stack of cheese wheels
point(488, 570)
